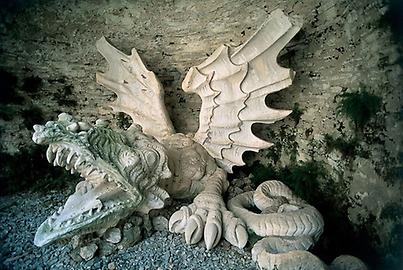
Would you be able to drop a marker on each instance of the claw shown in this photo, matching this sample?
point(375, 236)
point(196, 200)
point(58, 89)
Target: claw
point(213, 229)
point(241, 236)
point(234, 231)
point(178, 221)
point(194, 229)
point(212, 235)
point(175, 222)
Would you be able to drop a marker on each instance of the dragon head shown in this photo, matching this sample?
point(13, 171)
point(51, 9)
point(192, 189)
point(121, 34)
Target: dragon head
point(121, 170)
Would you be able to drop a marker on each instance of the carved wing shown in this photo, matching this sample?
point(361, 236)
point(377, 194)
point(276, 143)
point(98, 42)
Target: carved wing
point(233, 84)
point(139, 92)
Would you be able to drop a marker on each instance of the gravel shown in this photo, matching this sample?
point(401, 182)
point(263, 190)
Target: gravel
point(21, 214)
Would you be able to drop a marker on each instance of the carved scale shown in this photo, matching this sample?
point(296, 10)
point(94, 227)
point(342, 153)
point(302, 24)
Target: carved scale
point(136, 170)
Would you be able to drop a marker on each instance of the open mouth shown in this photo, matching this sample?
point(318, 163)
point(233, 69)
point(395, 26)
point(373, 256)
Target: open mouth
point(98, 202)
point(59, 226)
point(120, 176)
point(67, 156)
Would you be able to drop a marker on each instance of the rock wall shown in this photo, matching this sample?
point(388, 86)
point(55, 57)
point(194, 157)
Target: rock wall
point(348, 169)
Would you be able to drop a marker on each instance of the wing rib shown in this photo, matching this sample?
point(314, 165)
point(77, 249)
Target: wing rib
point(139, 92)
point(233, 84)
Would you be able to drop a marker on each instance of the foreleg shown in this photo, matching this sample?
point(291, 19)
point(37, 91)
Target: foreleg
point(208, 217)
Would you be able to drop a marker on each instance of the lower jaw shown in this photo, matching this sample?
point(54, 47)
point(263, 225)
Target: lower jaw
point(103, 222)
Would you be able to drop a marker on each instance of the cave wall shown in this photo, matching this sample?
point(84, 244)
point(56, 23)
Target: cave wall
point(349, 170)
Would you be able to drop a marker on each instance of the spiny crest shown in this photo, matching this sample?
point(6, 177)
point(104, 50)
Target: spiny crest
point(233, 84)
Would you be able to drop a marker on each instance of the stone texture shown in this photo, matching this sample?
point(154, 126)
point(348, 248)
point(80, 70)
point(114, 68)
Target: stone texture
point(88, 252)
point(113, 235)
point(339, 47)
point(160, 223)
point(131, 235)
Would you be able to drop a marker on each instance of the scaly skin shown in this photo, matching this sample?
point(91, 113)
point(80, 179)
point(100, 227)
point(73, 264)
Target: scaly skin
point(123, 173)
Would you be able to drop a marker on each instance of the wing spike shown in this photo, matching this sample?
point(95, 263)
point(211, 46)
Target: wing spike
point(139, 92)
point(240, 80)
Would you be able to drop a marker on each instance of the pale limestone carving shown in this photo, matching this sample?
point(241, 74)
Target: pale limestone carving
point(289, 226)
point(129, 171)
point(233, 84)
point(283, 214)
point(121, 171)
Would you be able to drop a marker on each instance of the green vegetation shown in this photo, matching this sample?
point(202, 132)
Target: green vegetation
point(124, 121)
point(349, 148)
point(287, 142)
point(392, 211)
point(63, 96)
point(359, 106)
point(7, 112)
point(296, 114)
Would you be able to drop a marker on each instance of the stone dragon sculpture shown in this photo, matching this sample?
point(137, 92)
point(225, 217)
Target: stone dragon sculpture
point(136, 170)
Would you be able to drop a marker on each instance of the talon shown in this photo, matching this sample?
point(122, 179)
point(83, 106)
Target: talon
point(241, 236)
point(193, 231)
point(213, 229)
point(212, 235)
point(179, 220)
point(234, 231)
point(175, 222)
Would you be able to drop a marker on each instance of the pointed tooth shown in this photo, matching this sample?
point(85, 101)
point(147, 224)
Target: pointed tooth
point(70, 156)
point(79, 161)
point(90, 212)
point(60, 209)
point(67, 167)
point(55, 215)
point(54, 148)
point(59, 156)
point(86, 171)
point(91, 170)
point(49, 154)
point(72, 170)
point(104, 176)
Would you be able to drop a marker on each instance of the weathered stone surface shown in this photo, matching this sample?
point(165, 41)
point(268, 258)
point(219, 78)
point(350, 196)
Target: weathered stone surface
point(160, 223)
point(88, 252)
point(113, 235)
point(75, 255)
point(75, 241)
point(131, 235)
point(340, 47)
point(106, 248)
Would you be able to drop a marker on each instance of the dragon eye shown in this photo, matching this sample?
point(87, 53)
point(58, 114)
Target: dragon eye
point(151, 159)
point(128, 158)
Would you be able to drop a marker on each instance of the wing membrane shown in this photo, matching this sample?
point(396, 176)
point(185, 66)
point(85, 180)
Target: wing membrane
point(233, 84)
point(139, 92)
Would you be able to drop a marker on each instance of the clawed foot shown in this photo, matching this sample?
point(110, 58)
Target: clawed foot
point(207, 216)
